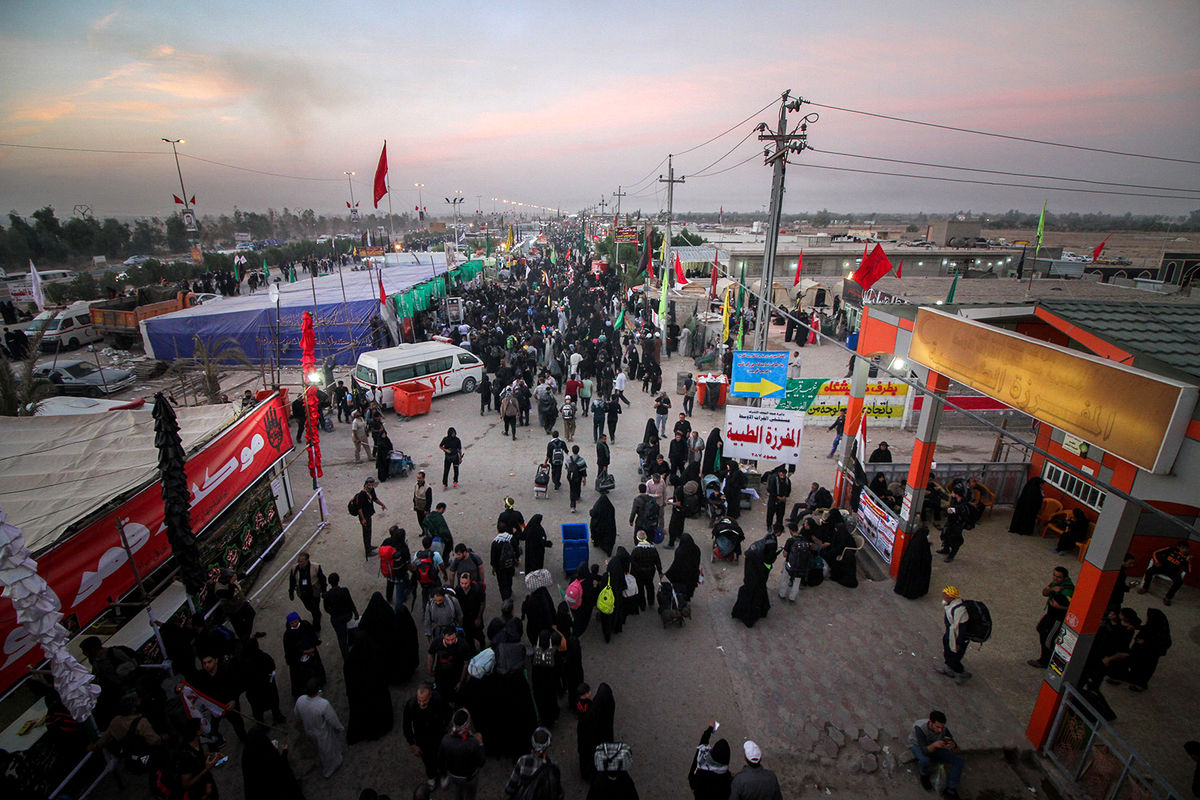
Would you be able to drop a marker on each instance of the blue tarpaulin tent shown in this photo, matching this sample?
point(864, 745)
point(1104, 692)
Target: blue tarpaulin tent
point(343, 329)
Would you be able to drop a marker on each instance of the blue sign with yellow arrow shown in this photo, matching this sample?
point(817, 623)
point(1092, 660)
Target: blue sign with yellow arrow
point(759, 373)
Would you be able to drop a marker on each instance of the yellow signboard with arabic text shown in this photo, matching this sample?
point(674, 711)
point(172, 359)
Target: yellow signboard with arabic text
point(1133, 414)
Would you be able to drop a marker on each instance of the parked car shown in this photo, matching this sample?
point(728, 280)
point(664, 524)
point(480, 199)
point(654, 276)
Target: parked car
point(84, 378)
point(134, 261)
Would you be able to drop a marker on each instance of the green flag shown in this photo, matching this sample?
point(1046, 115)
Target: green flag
point(742, 288)
point(739, 338)
point(953, 286)
point(487, 239)
point(237, 273)
point(266, 271)
point(1041, 226)
point(292, 274)
point(620, 321)
point(553, 255)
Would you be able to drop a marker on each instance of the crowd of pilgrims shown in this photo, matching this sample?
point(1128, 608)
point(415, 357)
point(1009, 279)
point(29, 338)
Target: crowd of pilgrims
point(498, 688)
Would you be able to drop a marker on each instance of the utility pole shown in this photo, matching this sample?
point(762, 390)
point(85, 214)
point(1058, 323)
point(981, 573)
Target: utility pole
point(785, 143)
point(619, 194)
point(670, 181)
point(617, 245)
point(603, 204)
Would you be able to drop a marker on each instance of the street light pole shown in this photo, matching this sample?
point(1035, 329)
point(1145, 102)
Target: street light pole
point(420, 203)
point(173, 142)
point(189, 218)
point(353, 210)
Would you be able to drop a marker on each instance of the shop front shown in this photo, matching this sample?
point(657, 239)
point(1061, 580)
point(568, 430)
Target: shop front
point(1117, 436)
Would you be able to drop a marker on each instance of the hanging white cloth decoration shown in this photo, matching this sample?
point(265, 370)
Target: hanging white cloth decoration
point(39, 611)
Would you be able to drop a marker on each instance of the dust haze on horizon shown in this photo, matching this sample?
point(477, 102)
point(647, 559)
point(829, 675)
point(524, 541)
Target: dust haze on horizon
point(557, 106)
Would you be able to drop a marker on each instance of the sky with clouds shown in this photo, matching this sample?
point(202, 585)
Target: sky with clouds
point(558, 104)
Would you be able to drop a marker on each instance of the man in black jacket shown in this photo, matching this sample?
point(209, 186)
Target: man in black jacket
point(425, 717)
point(366, 501)
point(339, 605)
point(779, 488)
point(645, 563)
point(460, 756)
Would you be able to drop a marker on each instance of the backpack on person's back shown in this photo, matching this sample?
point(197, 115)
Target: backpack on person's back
point(387, 560)
point(978, 627)
point(508, 555)
point(425, 568)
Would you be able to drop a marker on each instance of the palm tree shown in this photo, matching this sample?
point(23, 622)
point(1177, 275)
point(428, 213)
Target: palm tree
point(20, 391)
point(206, 361)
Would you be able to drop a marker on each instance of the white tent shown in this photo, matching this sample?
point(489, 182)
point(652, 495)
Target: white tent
point(57, 470)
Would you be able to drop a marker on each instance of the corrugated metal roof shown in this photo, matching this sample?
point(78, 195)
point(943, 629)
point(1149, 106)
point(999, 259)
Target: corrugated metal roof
point(1166, 332)
point(692, 255)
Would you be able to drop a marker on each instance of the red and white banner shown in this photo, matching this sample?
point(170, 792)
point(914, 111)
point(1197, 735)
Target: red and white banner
point(91, 568)
point(200, 706)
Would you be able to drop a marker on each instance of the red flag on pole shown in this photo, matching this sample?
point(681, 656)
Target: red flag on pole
point(799, 266)
point(679, 279)
point(712, 292)
point(900, 269)
point(873, 267)
point(381, 176)
point(647, 262)
point(382, 293)
point(1096, 252)
point(193, 199)
point(179, 200)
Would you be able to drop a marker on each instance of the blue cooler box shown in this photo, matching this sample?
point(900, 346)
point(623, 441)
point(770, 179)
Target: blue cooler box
point(576, 546)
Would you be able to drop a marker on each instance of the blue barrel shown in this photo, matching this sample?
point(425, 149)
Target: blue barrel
point(576, 546)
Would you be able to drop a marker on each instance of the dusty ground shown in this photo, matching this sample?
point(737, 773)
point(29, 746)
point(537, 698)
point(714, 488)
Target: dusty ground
point(828, 687)
point(1144, 249)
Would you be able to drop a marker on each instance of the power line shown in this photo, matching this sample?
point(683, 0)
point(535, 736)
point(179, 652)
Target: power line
point(649, 175)
point(1002, 172)
point(727, 169)
point(700, 172)
point(84, 149)
point(160, 153)
point(730, 129)
point(259, 171)
point(1010, 137)
point(988, 183)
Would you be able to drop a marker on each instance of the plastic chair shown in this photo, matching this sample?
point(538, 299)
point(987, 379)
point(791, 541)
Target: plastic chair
point(1057, 524)
point(1083, 546)
point(1167, 578)
point(860, 543)
point(987, 498)
point(1050, 507)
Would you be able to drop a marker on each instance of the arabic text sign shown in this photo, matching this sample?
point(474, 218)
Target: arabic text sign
point(1135, 415)
point(877, 524)
point(763, 433)
point(625, 234)
point(759, 373)
point(818, 397)
point(91, 566)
